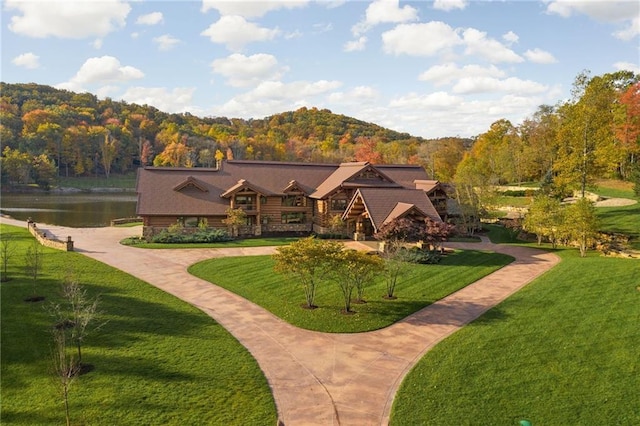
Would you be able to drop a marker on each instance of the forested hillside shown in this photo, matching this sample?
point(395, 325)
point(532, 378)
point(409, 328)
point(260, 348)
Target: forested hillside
point(46, 133)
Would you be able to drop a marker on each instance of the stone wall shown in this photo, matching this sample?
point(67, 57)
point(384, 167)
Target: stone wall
point(46, 240)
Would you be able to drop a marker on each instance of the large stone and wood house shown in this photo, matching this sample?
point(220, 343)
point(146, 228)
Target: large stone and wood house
point(281, 198)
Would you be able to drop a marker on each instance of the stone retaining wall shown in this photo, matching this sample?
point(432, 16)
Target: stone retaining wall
point(45, 240)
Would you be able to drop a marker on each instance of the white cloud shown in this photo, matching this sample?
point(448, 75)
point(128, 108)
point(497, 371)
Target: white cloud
point(97, 44)
point(448, 5)
point(511, 85)
point(249, 9)
point(355, 45)
point(176, 100)
point(540, 56)
point(105, 69)
point(322, 27)
point(27, 60)
point(292, 35)
point(447, 73)
point(242, 71)
point(430, 115)
point(67, 19)
point(106, 91)
point(426, 39)
point(630, 32)
point(273, 97)
point(235, 32)
point(617, 12)
point(431, 100)
point(153, 18)
point(384, 11)
point(477, 43)
point(166, 42)
point(510, 38)
point(627, 66)
point(356, 96)
point(296, 89)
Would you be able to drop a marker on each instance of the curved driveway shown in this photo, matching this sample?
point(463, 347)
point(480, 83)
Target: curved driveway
point(316, 378)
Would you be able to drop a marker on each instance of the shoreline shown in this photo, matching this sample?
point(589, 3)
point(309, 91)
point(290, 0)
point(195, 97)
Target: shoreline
point(64, 190)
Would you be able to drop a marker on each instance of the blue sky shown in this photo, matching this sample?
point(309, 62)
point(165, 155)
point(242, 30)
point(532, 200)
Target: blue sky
point(430, 68)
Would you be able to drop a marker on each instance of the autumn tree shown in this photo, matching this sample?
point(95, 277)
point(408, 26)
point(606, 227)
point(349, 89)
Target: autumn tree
point(544, 218)
point(366, 150)
point(307, 262)
point(397, 232)
point(538, 134)
point(16, 165)
point(627, 128)
point(44, 171)
point(235, 218)
point(582, 224)
point(108, 149)
point(353, 270)
point(587, 148)
point(175, 154)
point(395, 266)
point(472, 192)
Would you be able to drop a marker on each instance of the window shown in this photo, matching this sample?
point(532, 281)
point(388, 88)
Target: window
point(369, 174)
point(294, 201)
point(293, 217)
point(191, 222)
point(246, 202)
point(339, 205)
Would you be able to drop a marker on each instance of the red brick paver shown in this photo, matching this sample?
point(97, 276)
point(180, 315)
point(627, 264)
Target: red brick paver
point(316, 378)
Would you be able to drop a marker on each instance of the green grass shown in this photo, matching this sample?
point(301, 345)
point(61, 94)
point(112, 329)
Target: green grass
point(253, 278)
point(506, 200)
point(562, 351)
point(614, 188)
point(500, 235)
point(248, 242)
point(157, 360)
point(127, 181)
point(129, 225)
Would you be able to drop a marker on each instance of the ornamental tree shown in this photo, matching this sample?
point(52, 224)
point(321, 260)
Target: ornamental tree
point(307, 262)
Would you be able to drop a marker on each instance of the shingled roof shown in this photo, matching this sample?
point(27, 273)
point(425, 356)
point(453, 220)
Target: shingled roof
point(164, 191)
point(385, 204)
point(157, 197)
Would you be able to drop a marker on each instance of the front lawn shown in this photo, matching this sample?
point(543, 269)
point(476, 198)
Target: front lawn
point(157, 361)
point(562, 351)
point(254, 279)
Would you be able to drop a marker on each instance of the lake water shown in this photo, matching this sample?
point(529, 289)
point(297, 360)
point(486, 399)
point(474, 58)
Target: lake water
point(78, 210)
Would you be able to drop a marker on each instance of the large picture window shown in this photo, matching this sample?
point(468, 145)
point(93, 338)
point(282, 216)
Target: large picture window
point(293, 217)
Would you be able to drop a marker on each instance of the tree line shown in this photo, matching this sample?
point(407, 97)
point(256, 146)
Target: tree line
point(595, 134)
point(47, 133)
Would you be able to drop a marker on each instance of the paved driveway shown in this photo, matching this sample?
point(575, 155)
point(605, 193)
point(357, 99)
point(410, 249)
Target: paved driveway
point(316, 378)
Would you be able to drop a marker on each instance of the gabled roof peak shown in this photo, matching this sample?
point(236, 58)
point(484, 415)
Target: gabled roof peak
point(190, 181)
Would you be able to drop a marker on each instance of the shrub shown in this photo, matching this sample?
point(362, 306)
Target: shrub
point(201, 236)
point(421, 256)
